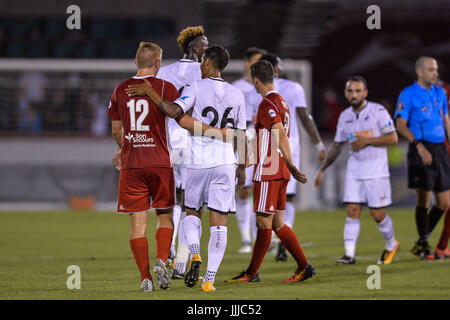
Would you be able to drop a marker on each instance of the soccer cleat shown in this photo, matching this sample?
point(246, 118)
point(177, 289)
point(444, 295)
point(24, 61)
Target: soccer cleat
point(439, 254)
point(346, 260)
point(191, 276)
point(244, 277)
point(246, 248)
point(425, 252)
point(177, 275)
point(163, 273)
point(417, 249)
point(281, 253)
point(147, 285)
point(387, 256)
point(207, 286)
point(302, 274)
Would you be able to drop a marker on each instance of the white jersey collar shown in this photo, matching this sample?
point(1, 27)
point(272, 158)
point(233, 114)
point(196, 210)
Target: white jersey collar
point(272, 91)
point(136, 77)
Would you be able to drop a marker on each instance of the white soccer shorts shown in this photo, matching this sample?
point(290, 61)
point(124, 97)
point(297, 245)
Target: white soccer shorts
point(213, 186)
point(292, 185)
point(179, 171)
point(375, 192)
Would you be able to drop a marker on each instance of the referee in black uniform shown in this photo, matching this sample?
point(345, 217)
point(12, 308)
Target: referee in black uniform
point(422, 118)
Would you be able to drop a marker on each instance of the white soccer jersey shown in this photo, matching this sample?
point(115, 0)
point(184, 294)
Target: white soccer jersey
point(219, 104)
point(294, 96)
point(179, 74)
point(372, 121)
point(247, 89)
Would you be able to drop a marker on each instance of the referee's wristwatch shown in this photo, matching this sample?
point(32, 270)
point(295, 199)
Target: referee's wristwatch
point(415, 142)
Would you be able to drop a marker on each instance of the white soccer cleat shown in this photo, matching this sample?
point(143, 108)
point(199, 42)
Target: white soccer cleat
point(246, 248)
point(163, 273)
point(147, 285)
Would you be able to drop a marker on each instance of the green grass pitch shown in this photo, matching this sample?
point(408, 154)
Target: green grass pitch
point(37, 248)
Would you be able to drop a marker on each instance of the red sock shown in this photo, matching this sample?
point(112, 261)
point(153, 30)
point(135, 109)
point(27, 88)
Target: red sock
point(139, 246)
point(291, 243)
point(445, 235)
point(262, 244)
point(163, 238)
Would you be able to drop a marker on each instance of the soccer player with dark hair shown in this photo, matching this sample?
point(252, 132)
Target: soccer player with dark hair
point(212, 172)
point(243, 204)
point(193, 42)
point(294, 96)
point(271, 176)
point(422, 118)
point(368, 127)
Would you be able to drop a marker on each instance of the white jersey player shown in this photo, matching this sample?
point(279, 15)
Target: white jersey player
point(369, 128)
point(294, 95)
point(193, 42)
point(211, 173)
point(244, 211)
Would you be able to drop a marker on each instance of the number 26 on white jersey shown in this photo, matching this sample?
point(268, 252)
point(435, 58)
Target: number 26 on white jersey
point(140, 105)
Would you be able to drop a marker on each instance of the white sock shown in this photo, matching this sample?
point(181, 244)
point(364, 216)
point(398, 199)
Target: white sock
point(243, 216)
point(386, 228)
point(254, 227)
point(216, 250)
point(192, 228)
point(351, 233)
point(182, 256)
point(176, 224)
point(289, 214)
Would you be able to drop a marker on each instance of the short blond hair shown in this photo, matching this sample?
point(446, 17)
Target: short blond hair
point(188, 34)
point(147, 53)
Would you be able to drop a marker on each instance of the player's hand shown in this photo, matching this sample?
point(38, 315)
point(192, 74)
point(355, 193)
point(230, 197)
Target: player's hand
point(227, 134)
point(116, 159)
point(321, 156)
point(300, 177)
point(138, 89)
point(240, 174)
point(358, 144)
point(427, 159)
point(318, 180)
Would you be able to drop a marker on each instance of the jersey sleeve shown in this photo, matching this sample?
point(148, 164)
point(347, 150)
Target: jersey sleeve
point(341, 135)
point(403, 108)
point(170, 92)
point(187, 99)
point(268, 115)
point(298, 97)
point(242, 116)
point(113, 111)
point(384, 120)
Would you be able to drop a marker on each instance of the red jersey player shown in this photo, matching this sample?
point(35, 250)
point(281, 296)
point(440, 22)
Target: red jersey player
point(140, 130)
point(271, 176)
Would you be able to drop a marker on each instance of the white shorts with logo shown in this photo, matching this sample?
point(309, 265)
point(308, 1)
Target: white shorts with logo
point(213, 186)
point(292, 185)
point(376, 193)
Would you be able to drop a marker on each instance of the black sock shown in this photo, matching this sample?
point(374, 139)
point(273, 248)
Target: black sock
point(433, 218)
point(422, 222)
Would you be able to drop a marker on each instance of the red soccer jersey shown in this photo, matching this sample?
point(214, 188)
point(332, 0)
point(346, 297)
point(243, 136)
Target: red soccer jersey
point(270, 163)
point(145, 142)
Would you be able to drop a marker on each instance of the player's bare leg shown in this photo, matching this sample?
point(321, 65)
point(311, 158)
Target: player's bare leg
point(386, 227)
point(163, 236)
point(243, 214)
point(192, 227)
point(139, 247)
point(351, 233)
point(216, 248)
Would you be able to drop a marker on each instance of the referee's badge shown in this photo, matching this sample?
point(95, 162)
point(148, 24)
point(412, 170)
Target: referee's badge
point(400, 106)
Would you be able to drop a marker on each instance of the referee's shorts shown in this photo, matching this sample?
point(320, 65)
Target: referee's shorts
point(435, 177)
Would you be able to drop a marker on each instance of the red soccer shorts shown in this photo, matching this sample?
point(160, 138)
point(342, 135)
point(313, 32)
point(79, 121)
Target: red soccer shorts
point(269, 196)
point(136, 186)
